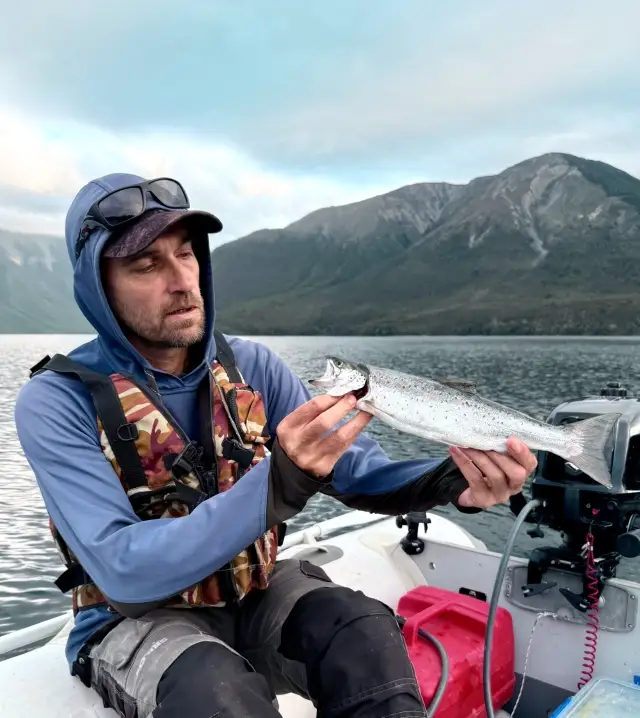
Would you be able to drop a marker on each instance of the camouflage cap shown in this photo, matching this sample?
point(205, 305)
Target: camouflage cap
point(140, 234)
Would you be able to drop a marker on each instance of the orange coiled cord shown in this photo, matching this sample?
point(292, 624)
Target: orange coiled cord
point(593, 623)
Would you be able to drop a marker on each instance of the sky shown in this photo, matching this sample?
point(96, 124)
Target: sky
point(266, 111)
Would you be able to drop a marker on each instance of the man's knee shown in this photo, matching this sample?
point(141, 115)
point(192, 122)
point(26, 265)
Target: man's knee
point(319, 616)
point(354, 654)
point(198, 664)
point(208, 676)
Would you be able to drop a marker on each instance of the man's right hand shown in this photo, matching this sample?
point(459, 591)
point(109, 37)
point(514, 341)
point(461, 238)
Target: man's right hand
point(307, 438)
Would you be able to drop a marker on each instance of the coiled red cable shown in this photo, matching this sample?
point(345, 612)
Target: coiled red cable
point(593, 622)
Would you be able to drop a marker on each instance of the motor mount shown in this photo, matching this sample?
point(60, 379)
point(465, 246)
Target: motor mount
point(412, 544)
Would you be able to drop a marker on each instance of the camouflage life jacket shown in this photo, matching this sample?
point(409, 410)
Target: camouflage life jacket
point(165, 474)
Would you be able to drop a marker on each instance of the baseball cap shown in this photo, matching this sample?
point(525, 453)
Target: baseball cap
point(138, 235)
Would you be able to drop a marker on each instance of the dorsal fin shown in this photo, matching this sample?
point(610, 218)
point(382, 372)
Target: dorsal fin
point(460, 384)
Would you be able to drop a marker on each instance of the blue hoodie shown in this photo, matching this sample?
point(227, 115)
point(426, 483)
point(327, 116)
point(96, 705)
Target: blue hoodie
point(136, 561)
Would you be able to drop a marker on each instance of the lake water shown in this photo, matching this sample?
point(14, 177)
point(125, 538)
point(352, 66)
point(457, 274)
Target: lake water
point(531, 374)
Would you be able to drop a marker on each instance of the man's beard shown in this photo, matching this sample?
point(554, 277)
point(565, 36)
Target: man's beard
point(158, 333)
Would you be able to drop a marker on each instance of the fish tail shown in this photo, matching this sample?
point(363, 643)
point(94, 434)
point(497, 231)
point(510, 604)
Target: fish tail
point(588, 439)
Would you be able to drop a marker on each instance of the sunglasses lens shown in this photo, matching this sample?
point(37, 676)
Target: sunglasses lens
point(123, 205)
point(169, 193)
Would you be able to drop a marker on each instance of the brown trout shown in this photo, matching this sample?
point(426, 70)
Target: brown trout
point(451, 412)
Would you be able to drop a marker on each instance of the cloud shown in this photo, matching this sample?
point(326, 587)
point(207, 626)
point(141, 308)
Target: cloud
point(499, 67)
point(43, 165)
point(322, 86)
point(267, 115)
point(31, 161)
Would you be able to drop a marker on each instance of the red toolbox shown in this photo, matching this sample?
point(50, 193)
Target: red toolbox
point(459, 622)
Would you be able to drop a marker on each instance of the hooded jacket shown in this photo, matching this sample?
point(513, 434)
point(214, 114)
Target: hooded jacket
point(136, 561)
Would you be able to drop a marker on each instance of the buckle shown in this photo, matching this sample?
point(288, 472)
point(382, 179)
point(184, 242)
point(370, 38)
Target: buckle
point(210, 482)
point(232, 449)
point(81, 668)
point(127, 432)
point(186, 461)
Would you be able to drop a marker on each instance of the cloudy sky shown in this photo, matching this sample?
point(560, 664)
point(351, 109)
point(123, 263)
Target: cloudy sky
point(268, 110)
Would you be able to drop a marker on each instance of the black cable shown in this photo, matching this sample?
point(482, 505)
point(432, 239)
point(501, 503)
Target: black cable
point(495, 597)
point(444, 675)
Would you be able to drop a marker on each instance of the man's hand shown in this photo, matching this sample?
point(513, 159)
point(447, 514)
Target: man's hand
point(307, 438)
point(493, 477)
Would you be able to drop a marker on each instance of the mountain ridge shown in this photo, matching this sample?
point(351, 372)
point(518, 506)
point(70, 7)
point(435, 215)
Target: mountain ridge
point(499, 258)
point(549, 245)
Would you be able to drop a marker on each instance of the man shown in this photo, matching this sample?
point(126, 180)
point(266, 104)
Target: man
point(150, 447)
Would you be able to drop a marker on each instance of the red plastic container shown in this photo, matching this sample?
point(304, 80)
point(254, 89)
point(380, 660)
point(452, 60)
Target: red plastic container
point(459, 622)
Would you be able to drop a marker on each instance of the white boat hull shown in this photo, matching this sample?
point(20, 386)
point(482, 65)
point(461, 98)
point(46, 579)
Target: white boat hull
point(37, 684)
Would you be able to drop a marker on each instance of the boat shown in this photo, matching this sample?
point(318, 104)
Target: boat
point(490, 634)
point(385, 557)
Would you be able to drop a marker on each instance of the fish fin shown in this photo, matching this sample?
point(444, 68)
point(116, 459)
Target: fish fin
point(460, 384)
point(592, 435)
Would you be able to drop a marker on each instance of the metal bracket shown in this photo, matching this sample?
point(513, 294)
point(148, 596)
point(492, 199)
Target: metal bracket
point(618, 606)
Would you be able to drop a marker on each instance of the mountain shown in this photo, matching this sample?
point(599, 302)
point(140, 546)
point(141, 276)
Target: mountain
point(550, 245)
point(36, 293)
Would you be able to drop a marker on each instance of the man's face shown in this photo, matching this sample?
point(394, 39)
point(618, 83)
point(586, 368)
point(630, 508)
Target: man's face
point(156, 294)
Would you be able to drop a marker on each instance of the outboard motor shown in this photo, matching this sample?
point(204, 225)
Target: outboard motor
point(578, 506)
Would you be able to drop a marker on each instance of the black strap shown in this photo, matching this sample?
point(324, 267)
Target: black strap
point(205, 421)
point(232, 448)
point(73, 577)
point(36, 368)
point(187, 495)
point(205, 408)
point(119, 431)
point(226, 357)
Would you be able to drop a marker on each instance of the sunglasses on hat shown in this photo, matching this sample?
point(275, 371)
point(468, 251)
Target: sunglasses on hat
point(125, 204)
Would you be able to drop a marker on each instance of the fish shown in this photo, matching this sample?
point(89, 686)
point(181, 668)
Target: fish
point(451, 412)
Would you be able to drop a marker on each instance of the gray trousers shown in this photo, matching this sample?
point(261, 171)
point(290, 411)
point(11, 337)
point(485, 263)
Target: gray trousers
point(239, 656)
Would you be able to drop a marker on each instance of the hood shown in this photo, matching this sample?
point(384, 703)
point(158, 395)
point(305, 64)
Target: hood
point(117, 352)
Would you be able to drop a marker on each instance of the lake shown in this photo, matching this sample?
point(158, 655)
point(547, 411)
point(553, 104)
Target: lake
point(530, 374)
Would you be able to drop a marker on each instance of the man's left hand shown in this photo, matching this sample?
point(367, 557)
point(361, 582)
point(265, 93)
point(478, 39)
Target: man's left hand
point(493, 477)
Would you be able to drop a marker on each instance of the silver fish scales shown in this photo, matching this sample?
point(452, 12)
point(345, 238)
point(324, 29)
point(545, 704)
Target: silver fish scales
point(451, 412)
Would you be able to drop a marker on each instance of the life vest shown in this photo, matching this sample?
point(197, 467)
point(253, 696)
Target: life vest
point(165, 474)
